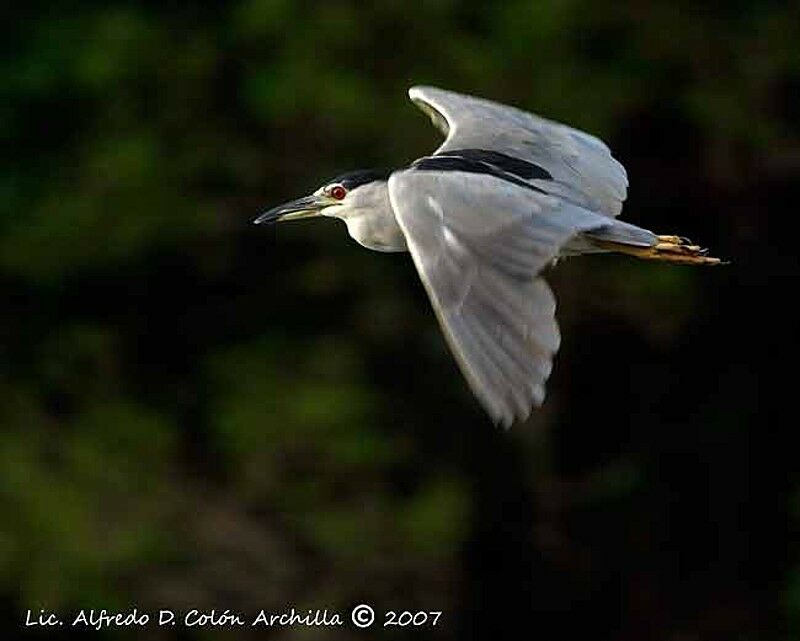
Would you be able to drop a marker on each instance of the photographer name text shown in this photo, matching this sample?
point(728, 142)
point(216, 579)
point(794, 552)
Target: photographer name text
point(361, 616)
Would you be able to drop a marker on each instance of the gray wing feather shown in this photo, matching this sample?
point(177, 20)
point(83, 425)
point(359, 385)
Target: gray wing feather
point(479, 244)
point(583, 170)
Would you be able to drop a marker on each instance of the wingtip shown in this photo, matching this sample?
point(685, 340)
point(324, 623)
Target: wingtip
point(416, 91)
point(503, 422)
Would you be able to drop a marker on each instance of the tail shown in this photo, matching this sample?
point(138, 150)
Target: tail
point(628, 239)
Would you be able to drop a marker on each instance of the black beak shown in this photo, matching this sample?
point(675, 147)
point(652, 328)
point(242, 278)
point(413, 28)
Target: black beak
point(304, 207)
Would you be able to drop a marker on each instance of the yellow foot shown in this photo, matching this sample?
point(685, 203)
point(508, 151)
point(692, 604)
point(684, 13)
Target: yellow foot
point(677, 249)
point(674, 240)
point(670, 249)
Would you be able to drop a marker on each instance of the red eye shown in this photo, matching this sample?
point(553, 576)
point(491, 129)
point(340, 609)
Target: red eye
point(338, 192)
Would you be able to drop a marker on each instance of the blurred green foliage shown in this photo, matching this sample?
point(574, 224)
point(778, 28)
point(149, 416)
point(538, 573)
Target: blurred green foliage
point(198, 413)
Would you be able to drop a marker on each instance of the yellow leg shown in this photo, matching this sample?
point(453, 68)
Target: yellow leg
point(670, 249)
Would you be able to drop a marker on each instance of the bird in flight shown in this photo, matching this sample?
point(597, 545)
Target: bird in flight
point(505, 195)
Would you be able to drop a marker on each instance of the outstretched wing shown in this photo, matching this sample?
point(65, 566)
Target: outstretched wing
point(580, 166)
point(479, 244)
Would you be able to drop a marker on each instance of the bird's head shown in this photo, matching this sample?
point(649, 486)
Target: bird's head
point(339, 197)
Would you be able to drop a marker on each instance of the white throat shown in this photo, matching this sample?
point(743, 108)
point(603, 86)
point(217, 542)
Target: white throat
point(370, 218)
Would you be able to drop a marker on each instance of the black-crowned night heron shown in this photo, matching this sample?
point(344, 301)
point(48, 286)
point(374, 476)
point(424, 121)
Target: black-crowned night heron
point(505, 195)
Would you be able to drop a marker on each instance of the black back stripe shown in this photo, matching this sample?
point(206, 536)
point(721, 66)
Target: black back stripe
point(463, 162)
point(516, 166)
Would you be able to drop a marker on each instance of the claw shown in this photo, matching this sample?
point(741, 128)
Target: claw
point(669, 248)
point(679, 249)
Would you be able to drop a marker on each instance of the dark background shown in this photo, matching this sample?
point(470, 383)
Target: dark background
point(195, 412)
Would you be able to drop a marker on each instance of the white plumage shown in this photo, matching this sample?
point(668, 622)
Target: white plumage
point(506, 194)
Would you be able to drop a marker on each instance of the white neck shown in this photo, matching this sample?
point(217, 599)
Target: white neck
point(370, 219)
